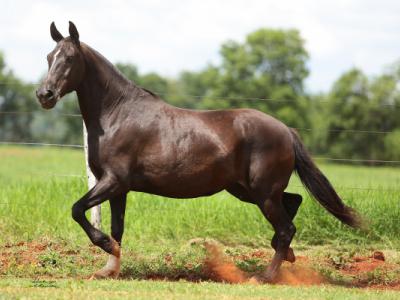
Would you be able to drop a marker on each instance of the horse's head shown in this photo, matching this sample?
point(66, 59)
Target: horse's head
point(66, 67)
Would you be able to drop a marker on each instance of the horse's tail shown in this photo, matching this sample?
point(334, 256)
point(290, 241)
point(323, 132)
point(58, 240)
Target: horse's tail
point(319, 186)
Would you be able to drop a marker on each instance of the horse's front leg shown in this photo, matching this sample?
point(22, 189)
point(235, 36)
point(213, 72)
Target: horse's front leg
point(113, 266)
point(106, 188)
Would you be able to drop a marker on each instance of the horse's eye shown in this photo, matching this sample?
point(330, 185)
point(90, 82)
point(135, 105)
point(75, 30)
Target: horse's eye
point(69, 59)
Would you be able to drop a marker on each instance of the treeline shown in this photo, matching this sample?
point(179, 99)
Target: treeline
point(358, 118)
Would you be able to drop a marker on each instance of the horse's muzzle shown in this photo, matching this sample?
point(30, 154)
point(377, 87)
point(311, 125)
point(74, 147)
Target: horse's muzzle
point(47, 98)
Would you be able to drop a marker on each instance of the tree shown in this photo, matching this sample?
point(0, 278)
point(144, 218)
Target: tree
point(29, 122)
point(193, 87)
point(59, 125)
point(14, 96)
point(358, 104)
point(151, 81)
point(129, 70)
point(270, 64)
point(167, 88)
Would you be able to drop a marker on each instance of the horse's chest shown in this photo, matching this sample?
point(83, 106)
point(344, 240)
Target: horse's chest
point(94, 163)
point(98, 156)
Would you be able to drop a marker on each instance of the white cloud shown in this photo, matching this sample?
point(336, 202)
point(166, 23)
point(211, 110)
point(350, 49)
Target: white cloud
point(168, 36)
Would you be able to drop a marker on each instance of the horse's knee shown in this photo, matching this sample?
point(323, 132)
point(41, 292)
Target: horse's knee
point(99, 239)
point(106, 243)
point(77, 212)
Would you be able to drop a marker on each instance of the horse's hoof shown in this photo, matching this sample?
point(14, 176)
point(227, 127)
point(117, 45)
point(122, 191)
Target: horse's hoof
point(263, 278)
point(290, 257)
point(254, 280)
point(258, 279)
point(111, 269)
point(105, 274)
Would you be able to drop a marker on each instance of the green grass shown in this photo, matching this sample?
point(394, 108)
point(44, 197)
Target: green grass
point(35, 206)
point(72, 289)
point(36, 203)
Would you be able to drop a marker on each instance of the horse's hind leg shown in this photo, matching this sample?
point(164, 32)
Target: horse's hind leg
point(291, 203)
point(275, 212)
point(279, 210)
point(112, 268)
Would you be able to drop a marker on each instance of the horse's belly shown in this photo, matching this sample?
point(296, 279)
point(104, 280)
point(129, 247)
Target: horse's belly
point(187, 181)
point(187, 192)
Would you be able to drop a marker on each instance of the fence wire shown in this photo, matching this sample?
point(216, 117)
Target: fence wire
point(166, 94)
point(79, 146)
point(370, 161)
point(297, 128)
point(338, 187)
point(37, 112)
point(41, 144)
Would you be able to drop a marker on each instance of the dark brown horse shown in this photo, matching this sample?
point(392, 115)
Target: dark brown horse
point(138, 142)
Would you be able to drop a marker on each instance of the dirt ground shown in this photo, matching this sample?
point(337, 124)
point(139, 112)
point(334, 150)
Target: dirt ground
point(371, 271)
point(301, 272)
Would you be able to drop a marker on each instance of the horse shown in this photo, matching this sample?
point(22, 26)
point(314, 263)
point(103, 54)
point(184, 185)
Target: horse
point(138, 142)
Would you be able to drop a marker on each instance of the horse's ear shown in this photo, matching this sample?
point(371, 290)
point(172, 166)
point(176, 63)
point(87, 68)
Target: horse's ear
point(73, 33)
point(55, 34)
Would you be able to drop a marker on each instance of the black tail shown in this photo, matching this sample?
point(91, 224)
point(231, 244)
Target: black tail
point(320, 187)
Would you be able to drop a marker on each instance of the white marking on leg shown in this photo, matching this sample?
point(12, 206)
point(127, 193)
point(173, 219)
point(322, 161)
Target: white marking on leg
point(113, 263)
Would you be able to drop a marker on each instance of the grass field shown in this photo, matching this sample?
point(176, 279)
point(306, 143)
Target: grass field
point(41, 245)
point(73, 289)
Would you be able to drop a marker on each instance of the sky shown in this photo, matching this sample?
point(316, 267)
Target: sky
point(170, 36)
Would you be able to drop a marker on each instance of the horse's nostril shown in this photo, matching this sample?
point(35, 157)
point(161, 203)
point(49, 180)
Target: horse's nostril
point(49, 94)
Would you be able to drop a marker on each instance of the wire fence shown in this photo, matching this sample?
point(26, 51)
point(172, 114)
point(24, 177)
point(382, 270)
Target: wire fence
point(41, 144)
point(370, 161)
point(37, 112)
point(83, 176)
point(238, 98)
point(318, 158)
point(352, 160)
point(362, 131)
point(337, 187)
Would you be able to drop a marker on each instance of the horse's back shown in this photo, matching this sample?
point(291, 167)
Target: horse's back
point(249, 125)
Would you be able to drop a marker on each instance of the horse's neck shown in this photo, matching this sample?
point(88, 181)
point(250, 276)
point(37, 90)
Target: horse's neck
point(102, 90)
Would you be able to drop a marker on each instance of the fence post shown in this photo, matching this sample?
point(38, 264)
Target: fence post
point(95, 212)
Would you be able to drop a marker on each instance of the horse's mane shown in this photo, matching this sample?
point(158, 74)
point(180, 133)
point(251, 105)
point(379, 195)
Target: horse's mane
point(112, 70)
point(104, 61)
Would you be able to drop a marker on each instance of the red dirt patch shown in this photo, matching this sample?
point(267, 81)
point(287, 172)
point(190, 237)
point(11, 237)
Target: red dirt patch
point(392, 286)
point(222, 269)
point(378, 255)
point(362, 264)
point(299, 273)
point(22, 253)
point(219, 267)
